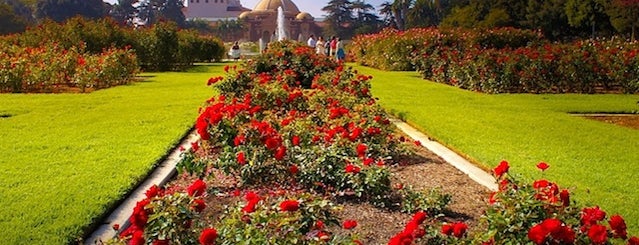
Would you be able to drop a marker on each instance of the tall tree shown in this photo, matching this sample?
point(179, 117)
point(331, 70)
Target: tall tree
point(386, 10)
point(10, 22)
point(365, 21)
point(152, 11)
point(624, 16)
point(124, 12)
point(339, 18)
point(61, 10)
point(586, 13)
point(549, 16)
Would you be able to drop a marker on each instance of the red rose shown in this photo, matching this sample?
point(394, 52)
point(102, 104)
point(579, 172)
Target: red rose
point(296, 140)
point(618, 225)
point(350, 168)
point(161, 242)
point(116, 226)
point(280, 153)
point(418, 143)
point(250, 206)
point(195, 146)
point(241, 159)
point(633, 241)
point(208, 236)
point(198, 188)
point(420, 217)
point(543, 166)
point(459, 229)
point(289, 206)
point(501, 169)
point(590, 216)
point(199, 205)
point(565, 198)
point(598, 234)
point(153, 191)
point(239, 139)
point(137, 238)
point(319, 224)
point(349, 224)
point(361, 150)
point(537, 234)
point(447, 229)
point(293, 169)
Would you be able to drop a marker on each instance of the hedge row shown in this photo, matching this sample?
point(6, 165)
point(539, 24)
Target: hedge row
point(52, 68)
point(505, 60)
point(160, 47)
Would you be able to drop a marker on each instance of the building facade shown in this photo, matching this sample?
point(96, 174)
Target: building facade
point(261, 22)
point(213, 10)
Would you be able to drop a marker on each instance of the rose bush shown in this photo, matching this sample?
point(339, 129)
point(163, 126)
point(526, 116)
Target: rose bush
point(504, 60)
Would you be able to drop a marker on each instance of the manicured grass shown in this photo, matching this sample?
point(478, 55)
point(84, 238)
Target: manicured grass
point(599, 161)
point(67, 158)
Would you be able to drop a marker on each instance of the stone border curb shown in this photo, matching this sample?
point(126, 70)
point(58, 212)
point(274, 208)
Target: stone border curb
point(160, 175)
point(475, 173)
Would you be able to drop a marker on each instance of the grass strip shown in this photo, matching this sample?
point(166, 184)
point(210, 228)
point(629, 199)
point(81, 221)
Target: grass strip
point(598, 161)
point(67, 158)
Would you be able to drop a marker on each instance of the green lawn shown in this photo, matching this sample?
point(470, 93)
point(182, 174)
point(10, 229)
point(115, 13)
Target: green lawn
point(66, 158)
point(599, 161)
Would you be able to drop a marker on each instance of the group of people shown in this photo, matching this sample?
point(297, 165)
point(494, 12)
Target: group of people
point(333, 47)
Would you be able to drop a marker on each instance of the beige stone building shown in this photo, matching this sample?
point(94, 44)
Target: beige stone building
point(213, 10)
point(261, 22)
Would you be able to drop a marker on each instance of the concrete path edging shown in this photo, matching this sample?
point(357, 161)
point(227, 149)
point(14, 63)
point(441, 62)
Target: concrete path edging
point(475, 173)
point(161, 175)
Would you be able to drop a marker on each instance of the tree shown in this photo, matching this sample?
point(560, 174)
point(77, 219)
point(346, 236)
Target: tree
point(624, 16)
point(124, 12)
point(386, 10)
point(153, 11)
point(365, 21)
point(10, 22)
point(549, 16)
point(228, 29)
point(339, 19)
point(586, 13)
point(61, 10)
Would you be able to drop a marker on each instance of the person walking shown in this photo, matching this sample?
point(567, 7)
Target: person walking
point(319, 46)
point(333, 45)
point(340, 54)
point(311, 41)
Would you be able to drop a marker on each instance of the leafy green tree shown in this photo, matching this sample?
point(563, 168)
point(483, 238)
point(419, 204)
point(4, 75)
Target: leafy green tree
point(465, 16)
point(10, 22)
point(124, 12)
point(388, 19)
point(61, 10)
point(154, 11)
point(587, 13)
point(549, 16)
point(624, 16)
point(365, 21)
point(339, 19)
point(228, 29)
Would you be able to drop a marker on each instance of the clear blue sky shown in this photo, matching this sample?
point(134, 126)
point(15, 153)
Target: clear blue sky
point(314, 7)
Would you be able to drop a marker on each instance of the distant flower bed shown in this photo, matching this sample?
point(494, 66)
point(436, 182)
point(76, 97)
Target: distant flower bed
point(295, 132)
point(505, 60)
point(51, 68)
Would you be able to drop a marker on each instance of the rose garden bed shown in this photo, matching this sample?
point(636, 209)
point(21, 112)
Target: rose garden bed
point(296, 151)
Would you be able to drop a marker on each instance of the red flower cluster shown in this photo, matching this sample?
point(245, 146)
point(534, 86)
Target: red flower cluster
point(349, 224)
point(208, 236)
point(457, 229)
point(198, 188)
point(289, 206)
point(501, 169)
point(543, 166)
point(350, 168)
point(411, 232)
point(252, 199)
point(154, 191)
point(551, 230)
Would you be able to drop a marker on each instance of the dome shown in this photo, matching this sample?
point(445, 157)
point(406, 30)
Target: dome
point(304, 16)
point(287, 6)
point(245, 15)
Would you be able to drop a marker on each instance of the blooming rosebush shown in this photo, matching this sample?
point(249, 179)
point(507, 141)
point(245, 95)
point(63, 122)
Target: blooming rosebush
point(50, 68)
point(505, 60)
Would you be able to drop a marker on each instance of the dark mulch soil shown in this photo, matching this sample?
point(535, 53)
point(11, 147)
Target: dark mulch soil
point(423, 171)
point(630, 121)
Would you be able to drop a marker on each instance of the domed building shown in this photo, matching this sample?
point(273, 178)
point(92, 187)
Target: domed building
point(261, 22)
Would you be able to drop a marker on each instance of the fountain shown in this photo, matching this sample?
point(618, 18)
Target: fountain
point(281, 27)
